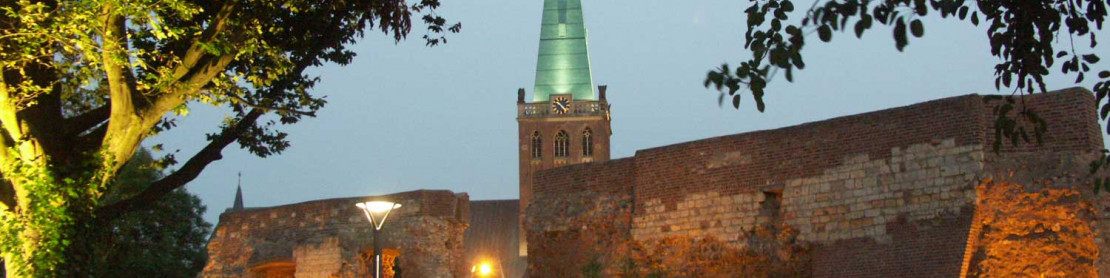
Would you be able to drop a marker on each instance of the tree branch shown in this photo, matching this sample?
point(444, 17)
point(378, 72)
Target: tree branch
point(188, 171)
point(197, 78)
point(7, 189)
point(77, 124)
point(90, 140)
point(121, 81)
point(239, 100)
point(196, 52)
point(125, 127)
point(7, 195)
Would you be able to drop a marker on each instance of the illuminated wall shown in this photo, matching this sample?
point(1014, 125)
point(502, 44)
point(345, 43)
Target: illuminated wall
point(889, 193)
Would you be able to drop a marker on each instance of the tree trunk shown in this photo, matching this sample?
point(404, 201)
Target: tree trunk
point(15, 261)
point(79, 255)
point(50, 226)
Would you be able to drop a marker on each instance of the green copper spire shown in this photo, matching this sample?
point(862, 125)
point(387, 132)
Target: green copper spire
point(563, 66)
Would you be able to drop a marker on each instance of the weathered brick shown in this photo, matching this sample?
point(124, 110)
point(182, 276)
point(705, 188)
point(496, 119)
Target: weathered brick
point(872, 191)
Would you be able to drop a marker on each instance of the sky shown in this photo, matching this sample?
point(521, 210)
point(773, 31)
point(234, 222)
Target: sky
point(404, 117)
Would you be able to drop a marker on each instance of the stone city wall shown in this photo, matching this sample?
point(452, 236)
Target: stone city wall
point(889, 193)
point(584, 218)
point(332, 238)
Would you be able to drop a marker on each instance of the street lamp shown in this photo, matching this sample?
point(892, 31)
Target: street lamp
point(376, 212)
point(485, 269)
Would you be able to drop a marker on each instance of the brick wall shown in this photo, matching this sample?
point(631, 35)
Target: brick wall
point(326, 237)
point(1072, 122)
point(922, 248)
point(548, 127)
point(579, 218)
point(744, 163)
point(319, 259)
point(894, 187)
point(859, 198)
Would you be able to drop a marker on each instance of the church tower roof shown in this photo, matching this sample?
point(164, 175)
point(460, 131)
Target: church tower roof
point(238, 206)
point(563, 66)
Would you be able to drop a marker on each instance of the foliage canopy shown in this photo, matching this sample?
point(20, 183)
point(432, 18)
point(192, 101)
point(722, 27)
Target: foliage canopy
point(165, 239)
point(84, 82)
point(1022, 35)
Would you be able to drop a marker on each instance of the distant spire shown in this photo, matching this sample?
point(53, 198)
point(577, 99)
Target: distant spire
point(238, 195)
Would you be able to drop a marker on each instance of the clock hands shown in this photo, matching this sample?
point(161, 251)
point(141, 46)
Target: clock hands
point(560, 105)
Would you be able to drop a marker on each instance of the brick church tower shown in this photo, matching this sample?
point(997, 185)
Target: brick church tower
point(565, 122)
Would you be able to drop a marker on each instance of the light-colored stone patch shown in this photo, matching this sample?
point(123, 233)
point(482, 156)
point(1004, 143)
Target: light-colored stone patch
point(859, 198)
point(699, 214)
point(854, 200)
point(319, 260)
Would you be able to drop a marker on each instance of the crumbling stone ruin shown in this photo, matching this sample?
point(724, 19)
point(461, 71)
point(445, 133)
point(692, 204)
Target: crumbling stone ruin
point(332, 238)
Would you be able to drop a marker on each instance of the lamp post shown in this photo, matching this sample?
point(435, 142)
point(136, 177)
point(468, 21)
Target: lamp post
point(376, 212)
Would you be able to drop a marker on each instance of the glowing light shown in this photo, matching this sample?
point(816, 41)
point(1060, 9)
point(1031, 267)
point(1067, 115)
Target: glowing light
point(484, 269)
point(377, 211)
point(378, 206)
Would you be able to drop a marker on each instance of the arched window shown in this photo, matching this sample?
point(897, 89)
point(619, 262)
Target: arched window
point(562, 144)
point(587, 143)
point(537, 145)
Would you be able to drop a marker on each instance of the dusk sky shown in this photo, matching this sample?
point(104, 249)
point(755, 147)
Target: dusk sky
point(405, 117)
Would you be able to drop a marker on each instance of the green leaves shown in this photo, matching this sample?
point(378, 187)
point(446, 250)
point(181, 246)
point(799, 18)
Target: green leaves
point(76, 56)
point(776, 47)
point(37, 237)
point(1100, 183)
point(1022, 37)
point(1015, 122)
point(917, 28)
point(1100, 163)
point(729, 83)
point(862, 24)
point(1090, 58)
point(900, 40)
point(825, 33)
point(173, 228)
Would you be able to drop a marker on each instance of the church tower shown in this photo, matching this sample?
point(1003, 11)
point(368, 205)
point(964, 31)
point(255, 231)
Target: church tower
point(565, 122)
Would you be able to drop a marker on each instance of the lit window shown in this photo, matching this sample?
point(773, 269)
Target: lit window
point(537, 145)
point(562, 144)
point(587, 143)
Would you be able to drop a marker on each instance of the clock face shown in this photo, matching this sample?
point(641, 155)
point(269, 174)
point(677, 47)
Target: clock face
point(560, 105)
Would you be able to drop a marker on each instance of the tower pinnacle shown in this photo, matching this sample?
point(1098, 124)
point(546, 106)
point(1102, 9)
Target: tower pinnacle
point(238, 206)
point(563, 65)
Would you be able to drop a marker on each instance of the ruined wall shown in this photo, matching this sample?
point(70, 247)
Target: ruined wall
point(332, 238)
point(1022, 233)
point(849, 185)
point(1073, 140)
point(882, 194)
point(580, 218)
